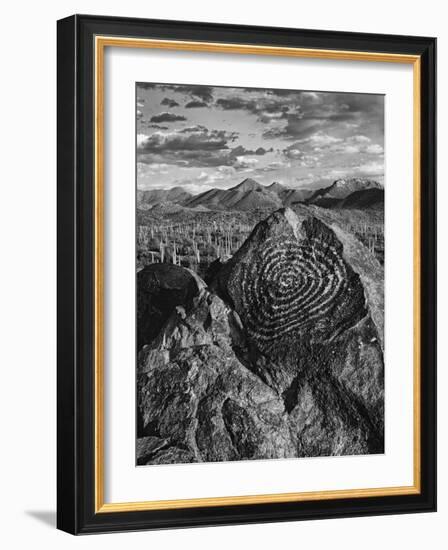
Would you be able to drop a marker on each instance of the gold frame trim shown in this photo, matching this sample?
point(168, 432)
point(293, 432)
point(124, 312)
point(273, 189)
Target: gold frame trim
point(101, 42)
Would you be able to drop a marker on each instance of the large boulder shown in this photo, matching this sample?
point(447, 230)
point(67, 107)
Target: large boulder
point(310, 299)
point(160, 288)
point(197, 401)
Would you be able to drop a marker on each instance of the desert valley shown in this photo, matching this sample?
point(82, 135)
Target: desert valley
point(174, 226)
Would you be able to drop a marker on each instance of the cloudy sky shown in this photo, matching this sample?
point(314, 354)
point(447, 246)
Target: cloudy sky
point(202, 136)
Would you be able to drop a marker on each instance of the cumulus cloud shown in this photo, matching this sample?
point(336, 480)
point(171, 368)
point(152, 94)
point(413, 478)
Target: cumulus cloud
point(169, 102)
point(240, 150)
point(191, 129)
point(145, 170)
point(203, 93)
point(303, 157)
point(197, 146)
point(265, 107)
point(307, 149)
point(313, 97)
point(157, 127)
point(371, 169)
point(321, 142)
point(245, 162)
point(193, 146)
point(299, 126)
point(141, 138)
point(193, 140)
point(273, 166)
point(195, 104)
point(374, 149)
point(272, 133)
point(357, 144)
point(166, 117)
point(236, 103)
point(147, 85)
point(328, 112)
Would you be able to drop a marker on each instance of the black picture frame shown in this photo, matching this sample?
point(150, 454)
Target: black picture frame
point(76, 512)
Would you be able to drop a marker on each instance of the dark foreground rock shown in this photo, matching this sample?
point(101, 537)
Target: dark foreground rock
point(198, 401)
point(280, 357)
point(160, 288)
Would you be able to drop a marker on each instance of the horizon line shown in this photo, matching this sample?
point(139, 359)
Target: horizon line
point(261, 184)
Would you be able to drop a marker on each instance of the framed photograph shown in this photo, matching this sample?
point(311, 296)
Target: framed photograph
point(246, 274)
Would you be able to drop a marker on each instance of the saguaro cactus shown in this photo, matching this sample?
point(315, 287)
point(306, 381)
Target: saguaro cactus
point(162, 252)
point(174, 253)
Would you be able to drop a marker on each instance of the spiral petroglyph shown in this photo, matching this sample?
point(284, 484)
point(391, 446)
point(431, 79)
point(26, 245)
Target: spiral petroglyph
point(297, 286)
point(292, 287)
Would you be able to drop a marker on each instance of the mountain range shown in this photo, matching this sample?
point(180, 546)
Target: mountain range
point(151, 197)
point(250, 195)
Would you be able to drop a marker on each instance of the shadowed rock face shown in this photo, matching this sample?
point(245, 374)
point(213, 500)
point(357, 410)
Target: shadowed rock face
point(160, 288)
point(280, 357)
point(197, 400)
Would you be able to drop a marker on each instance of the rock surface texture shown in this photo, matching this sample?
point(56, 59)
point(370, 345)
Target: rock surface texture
point(160, 288)
point(280, 356)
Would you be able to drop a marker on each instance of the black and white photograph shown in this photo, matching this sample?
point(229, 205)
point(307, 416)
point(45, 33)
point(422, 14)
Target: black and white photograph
point(260, 253)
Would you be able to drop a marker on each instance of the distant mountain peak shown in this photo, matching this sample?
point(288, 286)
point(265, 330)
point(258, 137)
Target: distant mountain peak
point(249, 194)
point(154, 196)
point(275, 186)
point(357, 184)
point(248, 185)
point(342, 188)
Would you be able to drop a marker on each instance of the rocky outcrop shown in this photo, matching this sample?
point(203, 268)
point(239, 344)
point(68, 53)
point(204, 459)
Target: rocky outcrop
point(198, 401)
point(308, 303)
point(160, 288)
point(281, 356)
